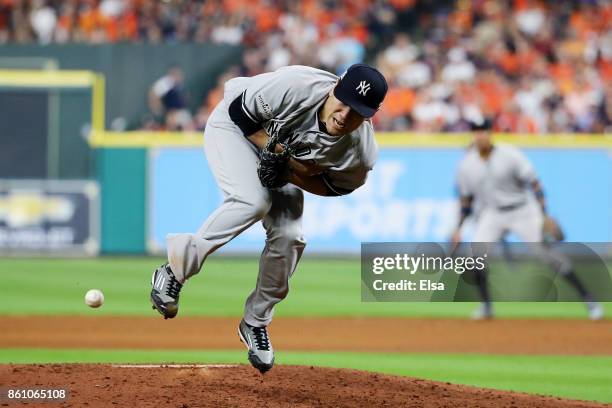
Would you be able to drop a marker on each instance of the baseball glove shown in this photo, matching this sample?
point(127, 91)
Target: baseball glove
point(273, 169)
point(551, 230)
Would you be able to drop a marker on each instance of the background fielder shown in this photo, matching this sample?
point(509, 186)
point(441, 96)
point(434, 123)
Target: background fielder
point(497, 183)
point(327, 149)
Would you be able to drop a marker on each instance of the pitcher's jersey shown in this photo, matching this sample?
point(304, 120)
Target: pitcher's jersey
point(286, 103)
point(503, 180)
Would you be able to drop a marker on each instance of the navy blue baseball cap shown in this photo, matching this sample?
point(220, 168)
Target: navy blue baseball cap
point(363, 88)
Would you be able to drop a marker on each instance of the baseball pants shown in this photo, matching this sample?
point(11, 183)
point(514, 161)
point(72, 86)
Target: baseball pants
point(233, 162)
point(526, 222)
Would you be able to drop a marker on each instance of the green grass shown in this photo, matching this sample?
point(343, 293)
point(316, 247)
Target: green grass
point(577, 377)
point(320, 287)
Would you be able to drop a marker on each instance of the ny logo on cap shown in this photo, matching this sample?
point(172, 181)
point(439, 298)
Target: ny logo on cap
point(363, 88)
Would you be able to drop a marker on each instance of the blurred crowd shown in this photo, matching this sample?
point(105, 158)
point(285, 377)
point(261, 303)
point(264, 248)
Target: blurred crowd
point(331, 35)
point(246, 22)
point(527, 65)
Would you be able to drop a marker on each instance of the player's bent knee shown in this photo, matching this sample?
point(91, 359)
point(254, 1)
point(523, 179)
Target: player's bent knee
point(282, 295)
point(294, 236)
point(261, 209)
point(290, 238)
point(282, 290)
point(280, 248)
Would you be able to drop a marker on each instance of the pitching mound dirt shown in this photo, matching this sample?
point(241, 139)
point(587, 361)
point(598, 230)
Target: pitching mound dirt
point(242, 386)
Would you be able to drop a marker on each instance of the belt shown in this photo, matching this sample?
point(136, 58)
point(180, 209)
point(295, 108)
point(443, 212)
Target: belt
point(511, 207)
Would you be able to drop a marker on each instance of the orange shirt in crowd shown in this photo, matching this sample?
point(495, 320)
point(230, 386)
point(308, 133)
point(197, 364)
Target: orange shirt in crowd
point(398, 102)
point(461, 19)
point(359, 32)
point(586, 22)
point(236, 6)
point(493, 95)
point(563, 75)
point(214, 97)
point(402, 4)
point(520, 5)
point(89, 20)
point(65, 22)
point(513, 64)
point(605, 70)
point(266, 18)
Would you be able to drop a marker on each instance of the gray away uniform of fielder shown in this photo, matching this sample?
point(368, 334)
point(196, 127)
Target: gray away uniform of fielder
point(501, 190)
point(503, 203)
point(284, 102)
point(500, 187)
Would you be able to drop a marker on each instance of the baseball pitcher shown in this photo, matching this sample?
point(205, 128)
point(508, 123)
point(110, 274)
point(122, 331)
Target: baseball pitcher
point(273, 136)
point(497, 183)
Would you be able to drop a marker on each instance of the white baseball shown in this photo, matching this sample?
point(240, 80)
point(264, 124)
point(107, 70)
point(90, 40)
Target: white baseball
point(94, 298)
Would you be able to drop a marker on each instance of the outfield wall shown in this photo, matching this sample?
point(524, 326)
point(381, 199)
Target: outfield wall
point(409, 196)
point(154, 184)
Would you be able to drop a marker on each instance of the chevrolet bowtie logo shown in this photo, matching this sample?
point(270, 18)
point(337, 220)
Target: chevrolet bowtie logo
point(363, 88)
point(23, 209)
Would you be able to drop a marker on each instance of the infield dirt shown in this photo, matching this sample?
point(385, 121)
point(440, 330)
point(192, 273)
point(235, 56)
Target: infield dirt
point(511, 336)
point(242, 386)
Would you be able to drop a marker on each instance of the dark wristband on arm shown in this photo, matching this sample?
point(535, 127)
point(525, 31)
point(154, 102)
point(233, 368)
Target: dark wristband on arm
point(466, 211)
point(539, 194)
point(242, 118)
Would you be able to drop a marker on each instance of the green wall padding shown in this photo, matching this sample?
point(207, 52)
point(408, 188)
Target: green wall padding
point(122, 176)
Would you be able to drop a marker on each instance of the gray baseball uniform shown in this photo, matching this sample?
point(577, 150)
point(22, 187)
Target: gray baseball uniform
point(286, 103)
point(501, 187)
point(503, 202)
point(501, 190)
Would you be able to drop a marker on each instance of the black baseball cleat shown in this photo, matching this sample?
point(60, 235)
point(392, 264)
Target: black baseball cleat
point(261, 354)
point(165, 291)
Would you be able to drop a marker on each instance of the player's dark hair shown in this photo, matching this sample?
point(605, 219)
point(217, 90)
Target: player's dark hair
point(485, 124)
